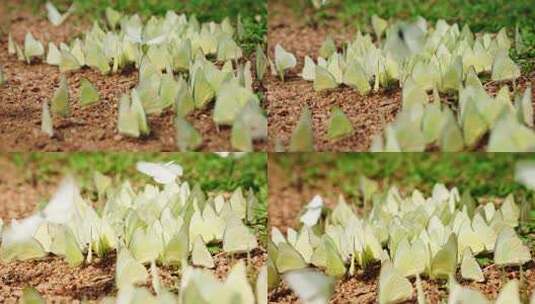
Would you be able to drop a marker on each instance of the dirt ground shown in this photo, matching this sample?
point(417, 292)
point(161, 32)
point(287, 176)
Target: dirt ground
point(286, 198)
point(368, 114)
point(52, 276)
point(88, 129)
point(59, 283)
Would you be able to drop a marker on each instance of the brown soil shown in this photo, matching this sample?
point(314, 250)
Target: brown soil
point(288, 195)
point(59, 283)
point(285, 100)
point(52, 276)
point(20, 194)
point(56, 280)
point(88, 129)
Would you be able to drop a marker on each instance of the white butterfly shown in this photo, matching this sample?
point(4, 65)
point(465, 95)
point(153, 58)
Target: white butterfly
point(312, 287)
point(525, 174)
point(61, 207)
point(54, 16)
point(313, 211)
point(283, 60)
point(20, 231)
point(162, 173)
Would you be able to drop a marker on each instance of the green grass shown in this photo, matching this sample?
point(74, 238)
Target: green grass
point(481, 15)
point(480, 173)
point(212, 172)
point(253, 12)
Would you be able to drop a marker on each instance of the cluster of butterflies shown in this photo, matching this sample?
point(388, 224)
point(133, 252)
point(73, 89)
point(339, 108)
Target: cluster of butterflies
point(163, 223)
point(411, 236)
point(160, 48)
point(314, 287)
point(442, 60)
point(420, 125)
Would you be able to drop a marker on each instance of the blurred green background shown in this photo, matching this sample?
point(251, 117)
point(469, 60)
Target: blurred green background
point(480, 15)
point(253, 12)
point(483, 174)
point(212, 172)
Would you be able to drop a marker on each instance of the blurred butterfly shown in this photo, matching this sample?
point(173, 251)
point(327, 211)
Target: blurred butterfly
point(509, 249)
point(302, 136)
point(510, 293)
point(47, 126)
point(162, 173)
point(88, 93)
point(312, 211)
point(32, 48)
point(283, 60)
point(200, 256)
point(312, 286)
point(393, 287)
point(187, 138)
point(30, 295)
point(54, 16)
